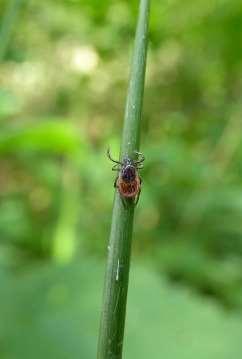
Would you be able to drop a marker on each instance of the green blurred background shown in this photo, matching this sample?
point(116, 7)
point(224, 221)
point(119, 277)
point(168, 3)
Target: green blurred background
point(64, 69)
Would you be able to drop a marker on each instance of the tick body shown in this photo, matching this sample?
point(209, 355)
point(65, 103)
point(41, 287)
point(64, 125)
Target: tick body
point(128, 181)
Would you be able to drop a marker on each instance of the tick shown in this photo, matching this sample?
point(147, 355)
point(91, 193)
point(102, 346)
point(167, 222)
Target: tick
point(128, 181)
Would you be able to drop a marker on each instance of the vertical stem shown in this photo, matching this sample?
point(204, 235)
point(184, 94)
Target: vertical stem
point(117, 272)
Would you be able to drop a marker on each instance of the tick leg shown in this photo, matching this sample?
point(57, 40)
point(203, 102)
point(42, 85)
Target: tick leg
point(137, 198)
point(141, 157)
point(110, 157)
point(138, 194)
point(122, 199)
point(115, 182)
point(116, 167)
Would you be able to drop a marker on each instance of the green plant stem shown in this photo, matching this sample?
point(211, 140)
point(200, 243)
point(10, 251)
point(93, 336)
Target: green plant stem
point(119, 249)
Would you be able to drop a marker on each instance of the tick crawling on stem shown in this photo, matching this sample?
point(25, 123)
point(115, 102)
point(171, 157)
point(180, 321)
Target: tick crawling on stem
point(128, 181)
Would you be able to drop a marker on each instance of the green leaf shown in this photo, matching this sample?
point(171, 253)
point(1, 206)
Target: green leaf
point(47, 137)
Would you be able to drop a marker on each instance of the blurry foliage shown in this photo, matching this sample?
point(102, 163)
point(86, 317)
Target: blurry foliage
point(63, 84)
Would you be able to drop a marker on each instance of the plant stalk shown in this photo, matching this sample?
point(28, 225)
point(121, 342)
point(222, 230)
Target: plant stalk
point(117, 272)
